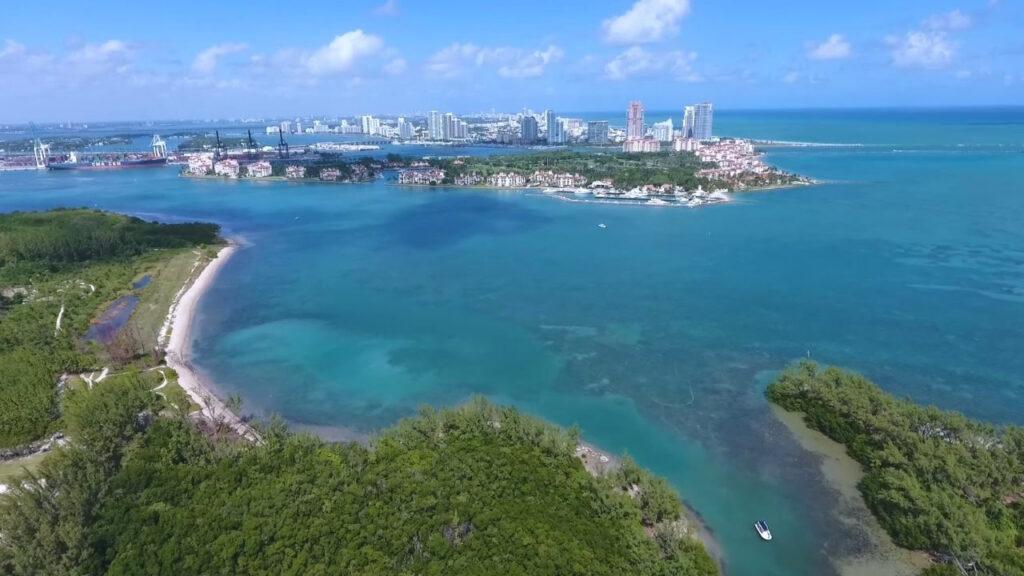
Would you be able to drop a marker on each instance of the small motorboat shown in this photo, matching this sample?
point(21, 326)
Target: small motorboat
point(762, 530)
point(602, 225)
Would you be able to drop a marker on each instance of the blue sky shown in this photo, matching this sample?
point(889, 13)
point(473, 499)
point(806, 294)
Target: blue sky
point(112, 60)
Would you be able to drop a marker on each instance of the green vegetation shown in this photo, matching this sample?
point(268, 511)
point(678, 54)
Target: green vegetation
point(206, 142)
point(76, 261)
point(936, 480)
point(66, 143)
point(475, 490)
point(624, 170)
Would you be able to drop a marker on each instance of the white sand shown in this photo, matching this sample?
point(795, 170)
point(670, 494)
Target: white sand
point(179, 344)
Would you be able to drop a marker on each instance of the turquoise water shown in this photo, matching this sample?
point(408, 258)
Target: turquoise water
point(352, 305)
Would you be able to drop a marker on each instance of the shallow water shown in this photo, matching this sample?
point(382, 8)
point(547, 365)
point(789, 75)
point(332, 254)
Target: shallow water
point(354, 304)
point(105, 328)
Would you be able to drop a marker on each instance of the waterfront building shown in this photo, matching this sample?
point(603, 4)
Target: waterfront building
point(507, 179)
point(295, 172)
point(435, 131)
point(421, 176)
point(553, 127)
point(662, 131)
point(641, 145)
point(286, 127)
point(200, 164)
point(682, 144)
point(635, 121)
point(227, 168)
point(700, 126)
point(298, 126)
point(528, 130)
point(370, 125)
point(260, 169)
point(330, 174)
point(404, 129)
point(273, 130)
point(597, 132)
point(689, 116)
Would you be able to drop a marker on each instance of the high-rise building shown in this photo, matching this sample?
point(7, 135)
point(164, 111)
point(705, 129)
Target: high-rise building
point(554, 128)
point(635, 121)
point(697, 120)
point(528, 129)
point(703, 116)
point(689, 116)
point(597, 132)
point(286, 127)
point(662, 131)
point(404, 129)
point(370, 125)
point(435, 129)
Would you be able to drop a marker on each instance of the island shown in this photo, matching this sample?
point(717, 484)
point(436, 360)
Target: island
point(935, 480)
point(134, 463)
point(688, 178)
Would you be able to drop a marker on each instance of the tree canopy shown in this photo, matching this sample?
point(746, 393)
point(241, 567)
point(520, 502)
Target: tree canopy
point(936, 480)
point(479, 489)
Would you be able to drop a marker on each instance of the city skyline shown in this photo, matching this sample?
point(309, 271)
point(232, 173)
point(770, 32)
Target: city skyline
point(398, 56)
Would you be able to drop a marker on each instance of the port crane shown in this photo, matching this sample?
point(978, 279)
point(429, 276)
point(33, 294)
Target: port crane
point(250, 147)
point(282, 146)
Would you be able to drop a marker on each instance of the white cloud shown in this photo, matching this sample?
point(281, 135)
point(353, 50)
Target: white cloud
point(395, 66)
point(342, 54)
point(101, 54)
point(11, 49)
point(834, 48)
point(953, 20)
point(451, 61)
point(646, 21)
point(206, 61)
point(922, 49)
point(457, 59)
point(636, 61)
point(388, 8)
point(791, 77)
point(531, 64)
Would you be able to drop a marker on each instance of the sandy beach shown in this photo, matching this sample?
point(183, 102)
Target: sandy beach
point(880, 556)
point(176, 336)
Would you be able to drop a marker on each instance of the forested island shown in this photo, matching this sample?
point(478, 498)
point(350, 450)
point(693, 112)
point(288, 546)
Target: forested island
point(142, 481)
point(936, 480)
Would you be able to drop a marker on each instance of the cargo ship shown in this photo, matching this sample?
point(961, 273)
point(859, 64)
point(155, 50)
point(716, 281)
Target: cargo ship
point(156, 158)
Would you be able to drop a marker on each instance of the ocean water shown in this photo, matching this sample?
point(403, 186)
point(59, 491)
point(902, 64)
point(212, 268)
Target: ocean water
point(352, 305)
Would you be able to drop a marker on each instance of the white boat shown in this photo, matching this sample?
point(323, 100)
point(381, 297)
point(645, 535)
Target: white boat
point(762, 530)
point(602, 225)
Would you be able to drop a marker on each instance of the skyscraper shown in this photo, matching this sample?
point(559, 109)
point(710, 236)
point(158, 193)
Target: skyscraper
point(662, 131)
point(597, 132)
point(528, 129)
point(702, 118)
point(635, 121)
point(689, 114)
point(404, 129)
point(435, 130)
point(553, 127)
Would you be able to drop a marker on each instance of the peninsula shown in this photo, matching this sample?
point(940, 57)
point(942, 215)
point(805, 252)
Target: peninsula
point(145, 467)
point(935, 480)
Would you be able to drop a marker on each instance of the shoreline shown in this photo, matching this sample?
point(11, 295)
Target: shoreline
point(177, 332)
point(883, 557)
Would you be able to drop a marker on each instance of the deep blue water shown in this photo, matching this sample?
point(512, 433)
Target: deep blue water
point(354, 304)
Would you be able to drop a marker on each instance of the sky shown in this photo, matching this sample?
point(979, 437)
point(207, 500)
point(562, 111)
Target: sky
point(130, 60)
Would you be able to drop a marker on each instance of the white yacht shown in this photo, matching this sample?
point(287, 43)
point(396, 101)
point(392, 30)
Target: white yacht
point(762, 530)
